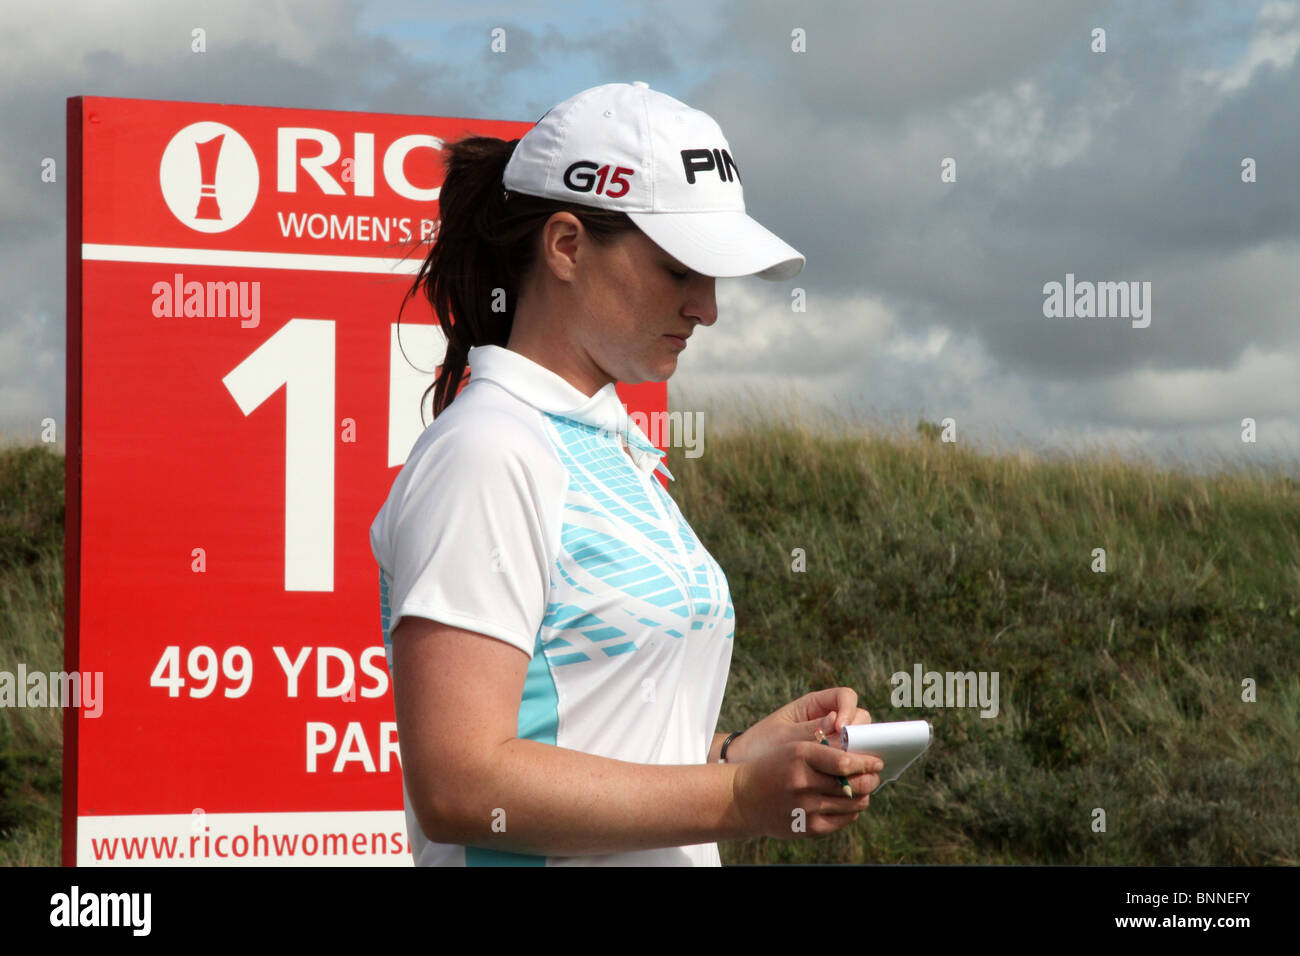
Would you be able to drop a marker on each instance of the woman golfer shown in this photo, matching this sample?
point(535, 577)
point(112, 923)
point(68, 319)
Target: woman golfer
point(558, 637)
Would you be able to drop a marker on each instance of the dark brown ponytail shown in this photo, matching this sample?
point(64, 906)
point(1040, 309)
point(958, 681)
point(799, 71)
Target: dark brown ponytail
point(483, 251)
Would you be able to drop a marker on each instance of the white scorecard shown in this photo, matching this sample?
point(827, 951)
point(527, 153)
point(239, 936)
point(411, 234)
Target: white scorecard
point(897, 744)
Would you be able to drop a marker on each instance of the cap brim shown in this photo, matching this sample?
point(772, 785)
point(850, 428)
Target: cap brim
point(722, 244)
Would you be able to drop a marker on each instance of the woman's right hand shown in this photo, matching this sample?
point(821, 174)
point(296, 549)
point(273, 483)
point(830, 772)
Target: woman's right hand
point(800, 775)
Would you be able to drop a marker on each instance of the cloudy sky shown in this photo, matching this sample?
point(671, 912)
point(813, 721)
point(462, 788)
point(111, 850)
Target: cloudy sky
point(923, 297)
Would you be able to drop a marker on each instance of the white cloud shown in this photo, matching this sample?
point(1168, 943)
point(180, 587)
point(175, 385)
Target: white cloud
point(1275, 41)
point(1260, 385)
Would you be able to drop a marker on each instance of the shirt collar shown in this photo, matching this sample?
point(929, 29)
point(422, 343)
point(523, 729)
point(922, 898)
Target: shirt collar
point(550, 393)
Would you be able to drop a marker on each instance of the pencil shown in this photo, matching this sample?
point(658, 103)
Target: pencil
point(842, 781)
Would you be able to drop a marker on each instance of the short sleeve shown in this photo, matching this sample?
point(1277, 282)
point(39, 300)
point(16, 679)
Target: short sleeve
point(465, 535)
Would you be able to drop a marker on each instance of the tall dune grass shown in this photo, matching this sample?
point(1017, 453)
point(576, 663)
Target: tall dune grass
point(1122, 691)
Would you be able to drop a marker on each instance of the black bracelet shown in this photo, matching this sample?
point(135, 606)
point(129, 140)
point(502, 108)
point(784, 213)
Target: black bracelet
point(730, 737)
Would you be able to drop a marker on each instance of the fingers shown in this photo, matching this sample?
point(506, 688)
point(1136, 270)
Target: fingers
point(822, 824)
point(842, 700)
point(828, 764)
point(861, 784)
point(818, 771)
point(861, 716)
point(836, 762)
point(845, 705)
point(864, 783)
point(836, 807)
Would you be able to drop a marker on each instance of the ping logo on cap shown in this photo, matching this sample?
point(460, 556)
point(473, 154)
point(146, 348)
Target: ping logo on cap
point(702, 160)
point(585, 176)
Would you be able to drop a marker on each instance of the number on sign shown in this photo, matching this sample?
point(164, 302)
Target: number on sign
point(166, 673)
point(300, 356)
point(201, 665)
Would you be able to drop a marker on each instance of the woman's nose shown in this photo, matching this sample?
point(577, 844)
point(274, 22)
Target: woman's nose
point(703, 303)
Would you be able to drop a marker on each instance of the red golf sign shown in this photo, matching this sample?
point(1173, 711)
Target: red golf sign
point(239, 403)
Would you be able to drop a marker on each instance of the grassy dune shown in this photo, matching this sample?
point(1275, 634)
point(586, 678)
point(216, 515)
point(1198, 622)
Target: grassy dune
point(31, 631)
point(1119, 690)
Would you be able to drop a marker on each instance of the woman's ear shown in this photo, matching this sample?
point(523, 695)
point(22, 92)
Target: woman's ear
point(562, 236)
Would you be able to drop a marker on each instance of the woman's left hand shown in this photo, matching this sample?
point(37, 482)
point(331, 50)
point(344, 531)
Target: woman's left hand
point(826, 710)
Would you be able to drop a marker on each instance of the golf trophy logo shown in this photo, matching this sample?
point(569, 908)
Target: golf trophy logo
point(208, 176)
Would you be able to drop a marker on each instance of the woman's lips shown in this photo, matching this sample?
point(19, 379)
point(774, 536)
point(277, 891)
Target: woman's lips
point(680, 340)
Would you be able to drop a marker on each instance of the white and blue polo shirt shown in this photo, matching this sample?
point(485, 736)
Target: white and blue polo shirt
point(519, 515)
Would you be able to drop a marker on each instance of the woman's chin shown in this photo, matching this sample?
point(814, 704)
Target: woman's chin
point(660, 370)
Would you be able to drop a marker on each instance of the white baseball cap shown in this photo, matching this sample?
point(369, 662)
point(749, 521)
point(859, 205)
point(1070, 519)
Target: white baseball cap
point(626, 147)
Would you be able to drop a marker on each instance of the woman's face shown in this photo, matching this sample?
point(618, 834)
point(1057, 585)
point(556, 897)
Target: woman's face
point(631, 304)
